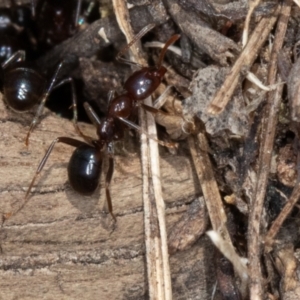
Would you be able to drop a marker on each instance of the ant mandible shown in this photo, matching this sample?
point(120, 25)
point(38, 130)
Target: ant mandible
point(23, 86)
point(85, 164)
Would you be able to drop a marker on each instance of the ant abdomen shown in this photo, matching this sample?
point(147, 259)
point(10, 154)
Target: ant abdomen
point(141, 84)
point(23, 87)
point(84, 169)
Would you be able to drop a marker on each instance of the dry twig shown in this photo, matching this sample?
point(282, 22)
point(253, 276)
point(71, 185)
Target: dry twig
point(297, 2)
point(243, 63)
point(158, 268)
point(269, 239)
point(252, 5)
point(199, 150)
point(268, 134)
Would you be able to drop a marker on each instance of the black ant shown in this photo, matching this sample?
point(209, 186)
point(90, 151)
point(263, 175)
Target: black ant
point(58, 20)
point(15, 27)
point(40, 27)
point(23, 86)
point(85, 164)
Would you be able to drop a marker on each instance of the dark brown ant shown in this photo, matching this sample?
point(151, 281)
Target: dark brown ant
point(23, 86)
point(85, 164)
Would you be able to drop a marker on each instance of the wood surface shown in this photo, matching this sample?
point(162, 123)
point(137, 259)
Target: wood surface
point(61, 245)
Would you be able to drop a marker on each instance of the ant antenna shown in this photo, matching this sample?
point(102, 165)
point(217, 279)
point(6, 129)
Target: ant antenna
point(136, 37)
point(171, 41)
point(43, 101)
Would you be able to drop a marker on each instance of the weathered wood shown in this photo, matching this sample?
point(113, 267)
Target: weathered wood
point(60, 245)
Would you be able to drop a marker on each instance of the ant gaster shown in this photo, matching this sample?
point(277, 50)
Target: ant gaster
point(23, 86)
point(84, 168)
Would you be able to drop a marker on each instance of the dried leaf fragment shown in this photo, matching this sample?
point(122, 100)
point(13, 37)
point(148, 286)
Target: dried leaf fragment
point(204, 86)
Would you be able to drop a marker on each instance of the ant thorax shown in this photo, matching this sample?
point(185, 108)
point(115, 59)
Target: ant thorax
point(109, 130)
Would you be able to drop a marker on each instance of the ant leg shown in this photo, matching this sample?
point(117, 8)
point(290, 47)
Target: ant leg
point(65, 140)
point(109, 175)
point(74, 98)
point(77, 15)
point(43, 101)
point(74, 105)
point(65, 81)
point(17, 56)
point(140, 130)
point(81, 19)
point(92, 114)
point(136, 37)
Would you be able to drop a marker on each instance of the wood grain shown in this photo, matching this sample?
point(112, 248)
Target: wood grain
point(61, 244)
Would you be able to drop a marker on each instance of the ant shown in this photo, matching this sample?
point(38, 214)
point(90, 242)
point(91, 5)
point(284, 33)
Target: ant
point(15, 27)
point(23, 86)
point(43, 25)
point(57, 20)
point(84, 168)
